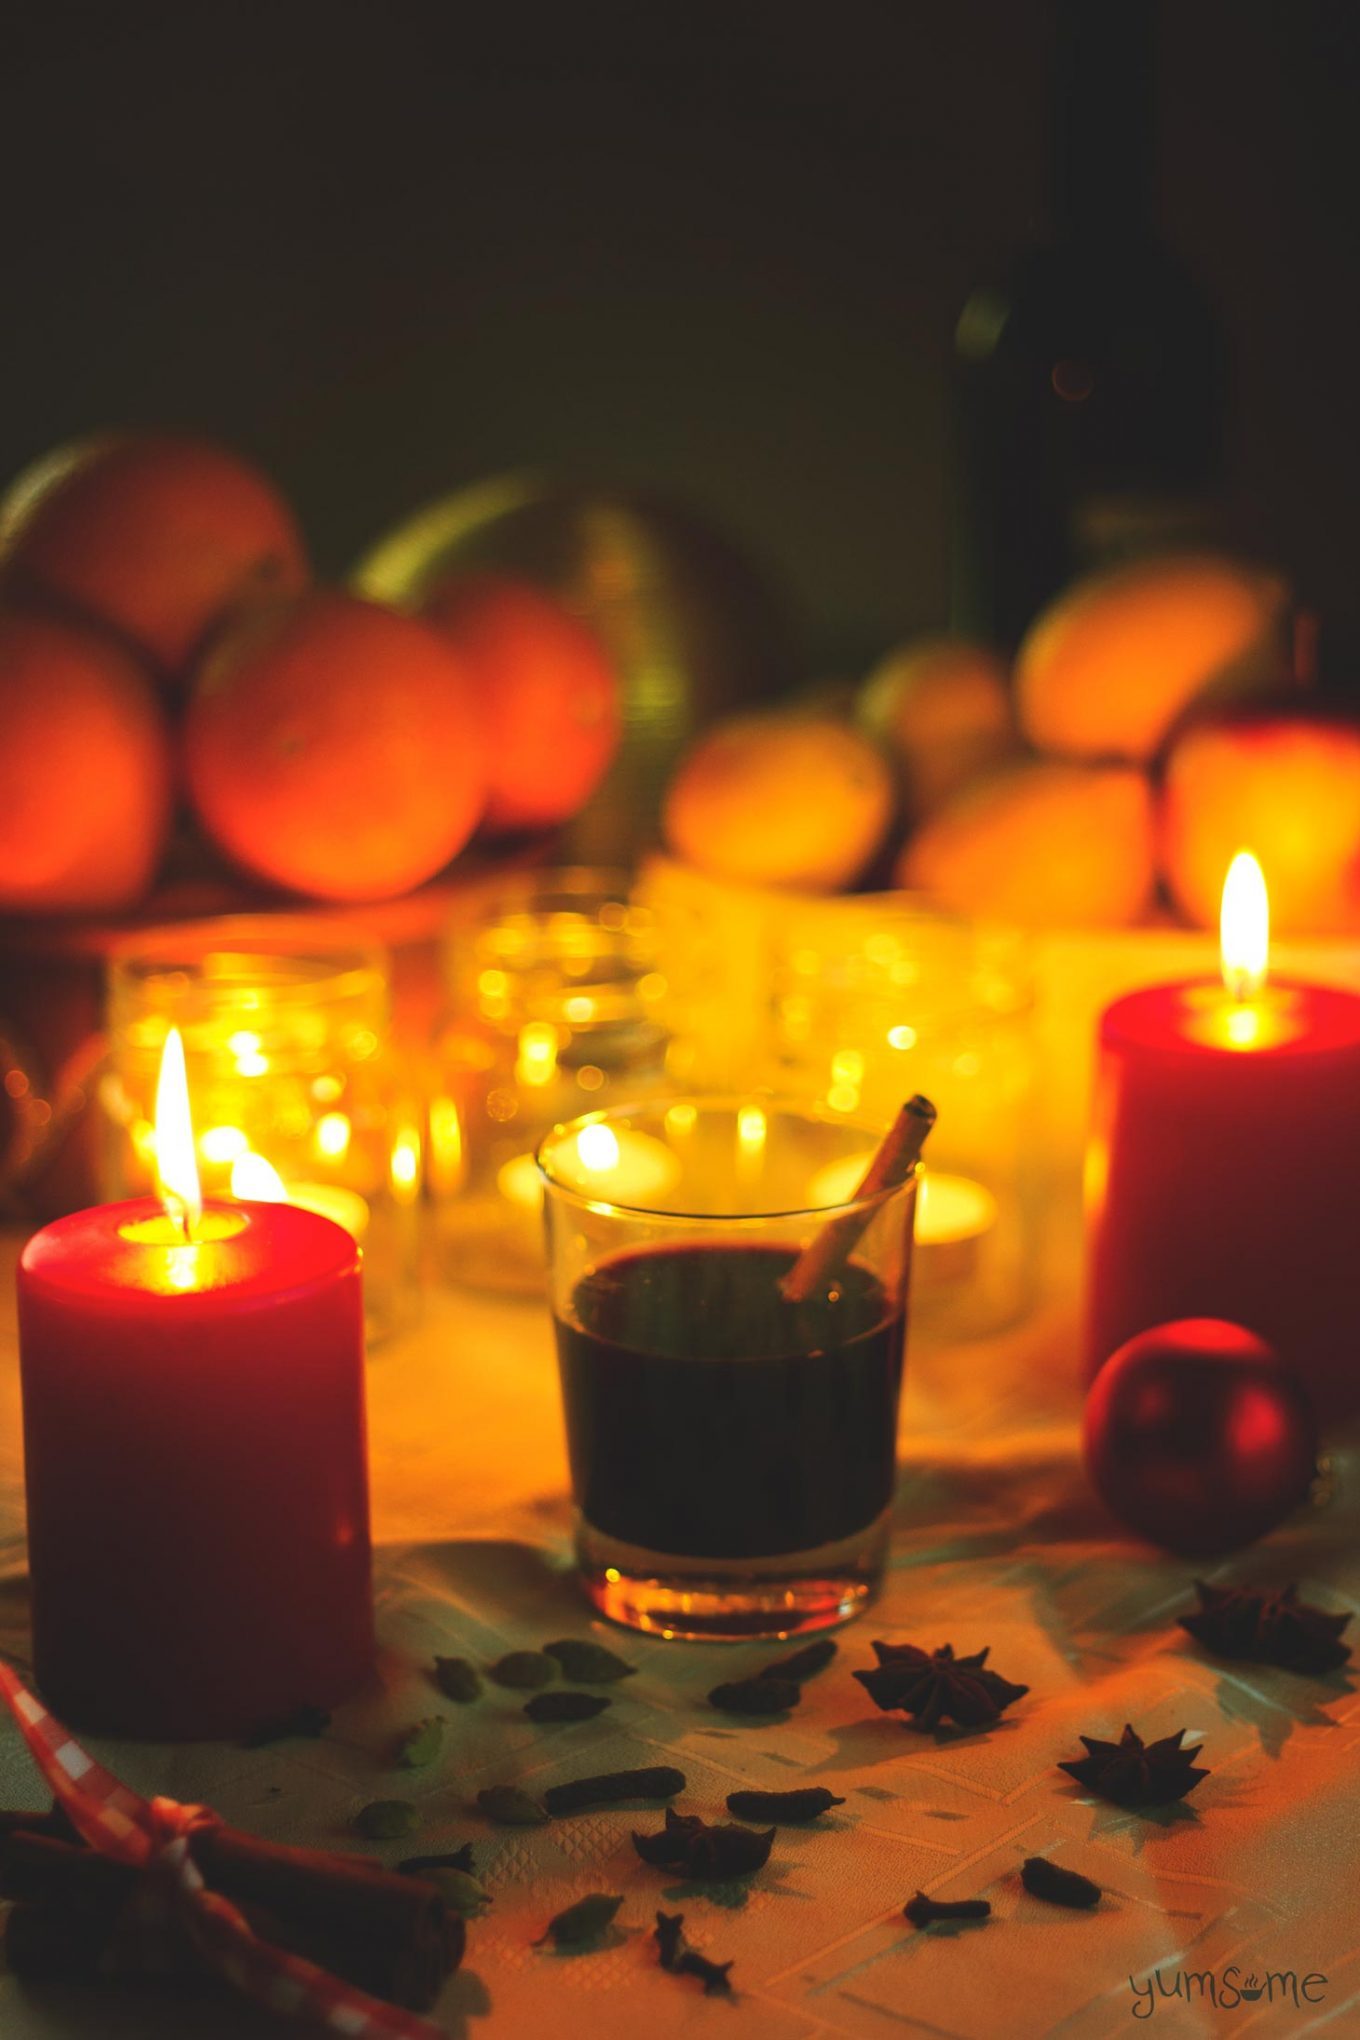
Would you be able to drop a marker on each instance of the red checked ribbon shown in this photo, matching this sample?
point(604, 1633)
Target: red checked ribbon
point(153, 1835)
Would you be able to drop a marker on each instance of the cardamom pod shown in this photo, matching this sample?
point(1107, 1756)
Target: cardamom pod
point(421, 1745)
point(525, 1668)
point(560, 1706)
point(584, 1921)
point(587, 1663)
point(507, 1804)
point(457, 1679)
point(387, 1820)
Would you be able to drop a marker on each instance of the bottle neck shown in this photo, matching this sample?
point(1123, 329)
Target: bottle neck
point(1102, 168)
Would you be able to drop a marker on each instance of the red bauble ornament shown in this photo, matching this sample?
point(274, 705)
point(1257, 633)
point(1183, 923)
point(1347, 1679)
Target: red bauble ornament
point(1199, 1436)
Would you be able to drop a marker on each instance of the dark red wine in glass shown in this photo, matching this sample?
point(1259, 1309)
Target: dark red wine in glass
point(707, 1417)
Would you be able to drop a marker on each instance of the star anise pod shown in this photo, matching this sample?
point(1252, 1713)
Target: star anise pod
point(1271, 1627)
point(935, 1686)
point(695, 1849)
point(1134, 1773)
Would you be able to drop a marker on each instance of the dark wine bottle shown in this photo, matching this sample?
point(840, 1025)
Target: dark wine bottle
point(1091, 384)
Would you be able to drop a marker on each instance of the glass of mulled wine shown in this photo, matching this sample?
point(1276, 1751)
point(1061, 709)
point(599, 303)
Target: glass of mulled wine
point(731, 1425)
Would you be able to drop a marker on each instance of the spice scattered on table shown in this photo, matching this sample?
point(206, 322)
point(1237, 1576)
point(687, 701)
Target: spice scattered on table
point(587, 1663)
point(458, 1679)
point(804, 1663)
point(758, 1695)
point(559, 1706)
point(802, 1804)
point(523, 1668)
point(387, 1820)
point(1133, 1773)
point(583, 1922)
point(924, 1912)
point(1051, 1881)
point(420, 1746)
point(301, 1722)
point(660, 1781)
point(932, 1687)
point(1268, 1626)
point(692, 1847)
point(460, 1891)
point(450, 1859)
point(511, 1807)
point(680, 1959)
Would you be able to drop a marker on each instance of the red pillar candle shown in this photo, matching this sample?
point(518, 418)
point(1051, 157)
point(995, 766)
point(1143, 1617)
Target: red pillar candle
point(195, 1463)
point(1222, 1170)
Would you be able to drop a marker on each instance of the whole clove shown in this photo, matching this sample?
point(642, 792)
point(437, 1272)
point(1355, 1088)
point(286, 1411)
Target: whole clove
point(451, 1859)
point(387, 1820)
point(587, 1663)
point(299, 1722)
point(680, 1959)
point(802, 1664)
point(1060, 1887)
point(458, 1679)
point(924, 1912)
point(693, 1848)
point(511, 1807)
point(523, 1668)
point(585, 1921)
point(559, 1706)
point(1134, 1773)
point(756, 1696)
point(420, 1746)
point(783, 1807)
point(658, 1782)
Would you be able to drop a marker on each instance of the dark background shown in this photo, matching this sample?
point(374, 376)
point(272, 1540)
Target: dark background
point(721, 248)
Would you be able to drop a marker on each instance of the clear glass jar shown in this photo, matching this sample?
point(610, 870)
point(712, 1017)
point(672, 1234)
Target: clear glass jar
point(873, 998)
point(293, 1088)
point(557, 1004)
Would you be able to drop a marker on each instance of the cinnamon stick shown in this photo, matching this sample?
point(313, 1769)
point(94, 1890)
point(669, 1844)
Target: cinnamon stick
point(392, 1935)
point(895, 1158)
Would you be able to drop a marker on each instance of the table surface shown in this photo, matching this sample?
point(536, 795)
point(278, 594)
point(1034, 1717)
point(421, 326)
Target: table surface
point(996, 1542)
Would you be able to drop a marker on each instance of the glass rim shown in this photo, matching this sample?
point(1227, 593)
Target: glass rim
point(780, 1104)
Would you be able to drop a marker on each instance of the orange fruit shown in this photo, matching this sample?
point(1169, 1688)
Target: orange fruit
point(85, 770)
point(1110, 667)
point(548, 694)
point(1281, 784)
point(1042, 844)
point(158, 539)
point(335, 747)
point(942, 708)
point(770, 800)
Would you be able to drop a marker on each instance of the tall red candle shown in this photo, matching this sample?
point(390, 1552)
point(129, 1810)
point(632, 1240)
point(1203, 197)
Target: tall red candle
point(195, 1465)
point(1222, 1172)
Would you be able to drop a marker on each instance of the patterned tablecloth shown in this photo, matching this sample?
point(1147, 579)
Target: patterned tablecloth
point(997, 1542)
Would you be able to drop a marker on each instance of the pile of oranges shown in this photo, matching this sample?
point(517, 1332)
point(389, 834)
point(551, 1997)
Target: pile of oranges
point(163, 646)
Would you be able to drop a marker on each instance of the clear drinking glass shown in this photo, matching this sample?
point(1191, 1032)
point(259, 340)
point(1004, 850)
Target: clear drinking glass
point(733, 1450)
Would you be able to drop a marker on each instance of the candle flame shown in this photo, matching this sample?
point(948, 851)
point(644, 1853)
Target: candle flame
point(176, 1167)
point(1244, 927)
point(257, 1181)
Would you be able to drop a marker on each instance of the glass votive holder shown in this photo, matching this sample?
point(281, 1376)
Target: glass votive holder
point(295, 1092)
point(874, 998)
point(557, 1004)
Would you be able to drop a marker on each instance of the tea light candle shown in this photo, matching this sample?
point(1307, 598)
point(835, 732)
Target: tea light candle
point(193, 1405)
point(954, 1215)
point(256, 1180)
point(623, 1167)
point(1222, 1158)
